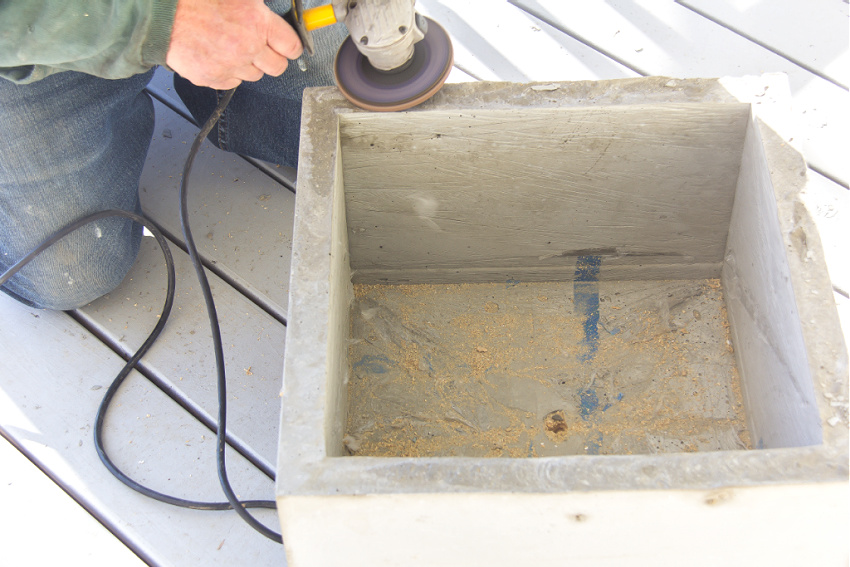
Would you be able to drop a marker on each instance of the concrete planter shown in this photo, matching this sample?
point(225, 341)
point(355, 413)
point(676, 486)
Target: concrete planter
point(642, 180)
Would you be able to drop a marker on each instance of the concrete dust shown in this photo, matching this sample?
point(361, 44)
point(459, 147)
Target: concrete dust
point(527, 370)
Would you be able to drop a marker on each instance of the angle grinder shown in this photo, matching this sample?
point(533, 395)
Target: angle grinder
point(393, 58)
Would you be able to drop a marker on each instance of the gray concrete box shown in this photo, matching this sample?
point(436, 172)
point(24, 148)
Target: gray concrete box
point(662, 180)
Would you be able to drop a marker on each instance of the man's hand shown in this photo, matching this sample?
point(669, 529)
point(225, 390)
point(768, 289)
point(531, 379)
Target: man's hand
point(220, 43)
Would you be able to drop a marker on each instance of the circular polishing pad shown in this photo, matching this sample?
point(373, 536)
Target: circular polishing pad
point(399, 89)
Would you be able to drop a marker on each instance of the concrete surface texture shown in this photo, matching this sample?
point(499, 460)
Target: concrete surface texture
point(533, 369)
point(360, 216)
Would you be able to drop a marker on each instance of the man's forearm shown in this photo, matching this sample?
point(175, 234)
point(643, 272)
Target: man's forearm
point(108, 39)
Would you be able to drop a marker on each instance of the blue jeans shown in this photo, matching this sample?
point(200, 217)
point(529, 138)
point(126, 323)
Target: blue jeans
point(72, 144)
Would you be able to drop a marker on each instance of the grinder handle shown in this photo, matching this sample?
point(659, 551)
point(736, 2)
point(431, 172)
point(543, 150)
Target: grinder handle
point(295, 18)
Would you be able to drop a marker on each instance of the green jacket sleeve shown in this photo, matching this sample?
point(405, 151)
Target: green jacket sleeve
point(107, 38)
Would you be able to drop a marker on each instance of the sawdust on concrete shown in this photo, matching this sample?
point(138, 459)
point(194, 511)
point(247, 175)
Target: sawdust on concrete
point(505, 370)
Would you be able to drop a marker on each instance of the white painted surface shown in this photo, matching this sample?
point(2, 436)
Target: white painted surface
point(496, 41)
point(48, 399)
point(783, 525)
point(814, 33)
point(830, 209)
point(36, 511)
point(661, 37)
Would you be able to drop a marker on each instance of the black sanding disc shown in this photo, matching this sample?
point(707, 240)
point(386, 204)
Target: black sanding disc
point(414, 83)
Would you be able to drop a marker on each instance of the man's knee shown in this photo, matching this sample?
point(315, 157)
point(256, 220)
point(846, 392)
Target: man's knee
point(79, 268)
point(72, 144)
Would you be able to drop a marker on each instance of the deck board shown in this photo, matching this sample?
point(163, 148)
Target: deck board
point(76, 536)
point(666, 38)
point(241, 218)
point(57, 435)
point(779, 25)
point(505, 43)
point(183, 356)
point(830, 208)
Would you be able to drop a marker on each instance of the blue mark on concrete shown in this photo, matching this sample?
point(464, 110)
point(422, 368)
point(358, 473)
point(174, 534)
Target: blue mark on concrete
point(614, 331)
point(619, 397)
point(587, 268)
point(511, 283)
point(428, 362)
point(594, 443)
point(589, 402)
point(374, 364)
point(586, 298)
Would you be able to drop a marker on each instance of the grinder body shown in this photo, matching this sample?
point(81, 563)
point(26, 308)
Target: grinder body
point(384, 31)
point(393, 58)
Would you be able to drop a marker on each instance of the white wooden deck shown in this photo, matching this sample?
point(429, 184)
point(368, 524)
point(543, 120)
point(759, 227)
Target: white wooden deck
point(54, 366)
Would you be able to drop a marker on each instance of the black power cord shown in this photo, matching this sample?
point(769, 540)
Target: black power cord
point(221, 381)
point(232, 501)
